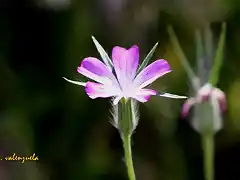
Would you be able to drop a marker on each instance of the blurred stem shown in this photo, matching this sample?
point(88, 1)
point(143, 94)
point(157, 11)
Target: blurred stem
point(208, 155)
point(182, 56)
point(218, 57)
point(128, 156)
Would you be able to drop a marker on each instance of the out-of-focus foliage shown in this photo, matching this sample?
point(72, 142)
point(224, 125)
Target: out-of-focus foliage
point(43, 40)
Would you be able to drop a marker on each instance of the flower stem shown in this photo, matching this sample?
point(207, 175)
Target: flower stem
point(208, 148)
point(128, 156)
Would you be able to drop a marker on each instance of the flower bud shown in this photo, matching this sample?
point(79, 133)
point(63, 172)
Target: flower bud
point(208, 106)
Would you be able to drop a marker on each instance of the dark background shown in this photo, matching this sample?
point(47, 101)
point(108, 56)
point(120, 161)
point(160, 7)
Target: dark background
point(43, 40)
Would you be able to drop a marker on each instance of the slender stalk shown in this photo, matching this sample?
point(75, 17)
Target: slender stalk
point(127, 114)
point(192, 77)
point(208, 153)
point(218, 57)
point(208, 42)
point(128, 156)
point(200, 56)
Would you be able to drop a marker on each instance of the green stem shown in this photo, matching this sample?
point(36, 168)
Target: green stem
point(208, 148)
point(128, 156)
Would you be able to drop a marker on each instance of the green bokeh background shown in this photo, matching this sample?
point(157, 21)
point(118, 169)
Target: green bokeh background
point(43, 40)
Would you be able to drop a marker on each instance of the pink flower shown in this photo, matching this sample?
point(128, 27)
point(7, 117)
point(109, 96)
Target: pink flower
point(119, 78)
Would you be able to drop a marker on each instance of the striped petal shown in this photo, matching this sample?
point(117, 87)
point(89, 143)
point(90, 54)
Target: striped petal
point(151, 73)
point(125, 64)
point(96, 70)
point(96, 90)
point(144, 94)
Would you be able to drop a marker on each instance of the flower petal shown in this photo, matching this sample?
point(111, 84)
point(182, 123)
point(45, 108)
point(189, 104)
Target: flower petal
point(174, 96)
point(220, 96)
point(75, 82)
point(187, 106)
point(95, 90)
point(96, 70)
point(151, 73)
point(125, 63)
point(142, 98)
point(144, 94)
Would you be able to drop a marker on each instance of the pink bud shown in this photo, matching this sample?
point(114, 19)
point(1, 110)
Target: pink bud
point(204, 95)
